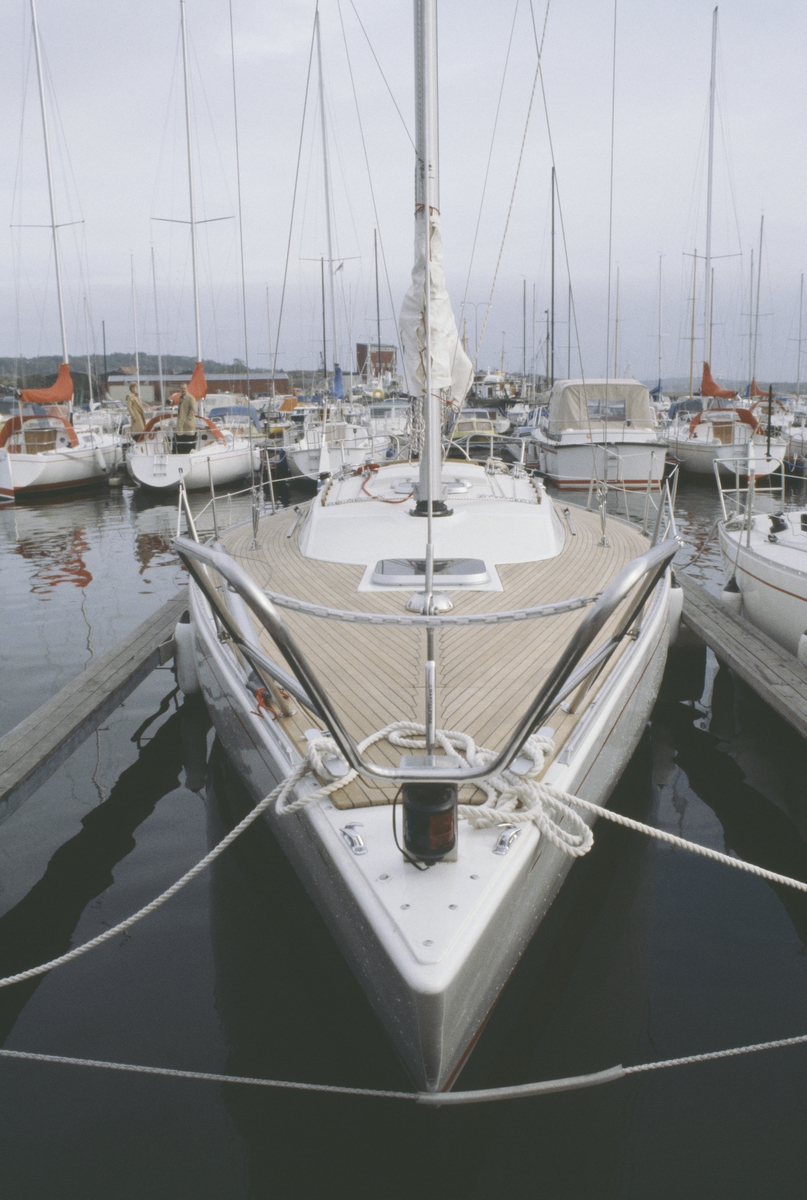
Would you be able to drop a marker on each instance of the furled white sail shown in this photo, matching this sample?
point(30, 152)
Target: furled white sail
point(452, 370)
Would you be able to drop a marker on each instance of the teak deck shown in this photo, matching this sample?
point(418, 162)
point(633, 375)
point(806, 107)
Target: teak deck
point(776, 676)
point(486, 674)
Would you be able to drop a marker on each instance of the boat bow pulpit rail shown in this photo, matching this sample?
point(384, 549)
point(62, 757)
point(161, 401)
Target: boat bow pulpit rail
point(640, 576)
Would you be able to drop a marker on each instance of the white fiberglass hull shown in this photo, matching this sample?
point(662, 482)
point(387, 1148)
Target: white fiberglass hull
point(55, 471)
point(161, 472)
point(432, 969)
point(772, 578)
point(697, 457)
point(305, 460)
point(575, 464)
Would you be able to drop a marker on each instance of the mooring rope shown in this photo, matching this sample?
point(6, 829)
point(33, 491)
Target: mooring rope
point(518, 1091)
point(511, 799)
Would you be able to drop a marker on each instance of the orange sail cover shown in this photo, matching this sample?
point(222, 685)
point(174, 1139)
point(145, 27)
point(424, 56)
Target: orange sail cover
point(198, 384)
point(756, 390)
point(61, 392)
point(710, 388)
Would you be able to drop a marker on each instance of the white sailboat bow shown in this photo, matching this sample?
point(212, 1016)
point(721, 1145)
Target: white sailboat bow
point(417, 753)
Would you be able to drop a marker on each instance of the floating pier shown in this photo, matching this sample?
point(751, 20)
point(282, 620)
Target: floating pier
point(776, 676)
point(38, 746)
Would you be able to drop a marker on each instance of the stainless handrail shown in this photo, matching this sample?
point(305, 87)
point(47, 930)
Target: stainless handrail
point(647, 569)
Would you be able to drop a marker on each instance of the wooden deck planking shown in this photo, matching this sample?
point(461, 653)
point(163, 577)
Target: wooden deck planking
point(487, 674)
point(777, 676)
point(32, 751)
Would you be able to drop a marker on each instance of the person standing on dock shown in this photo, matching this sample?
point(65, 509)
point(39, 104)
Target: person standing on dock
point(186, 421)
point(134, 407)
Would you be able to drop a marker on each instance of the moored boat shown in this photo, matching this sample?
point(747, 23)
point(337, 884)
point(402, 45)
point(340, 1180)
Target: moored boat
point(432, 919)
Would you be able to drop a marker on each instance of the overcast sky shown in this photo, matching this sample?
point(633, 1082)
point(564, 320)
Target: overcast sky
point(117, 119)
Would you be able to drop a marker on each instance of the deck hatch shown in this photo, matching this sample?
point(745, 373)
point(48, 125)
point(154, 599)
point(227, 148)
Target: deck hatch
point(401, 572)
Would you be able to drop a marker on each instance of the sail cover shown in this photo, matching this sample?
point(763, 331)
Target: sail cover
point(198, 384)
point(61, 392)
point(755, 389)
point(710, 388)
point(451, 369)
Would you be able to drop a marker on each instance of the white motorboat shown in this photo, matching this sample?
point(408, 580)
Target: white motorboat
point(432, 919)
point(217, 457)
point(599, 429)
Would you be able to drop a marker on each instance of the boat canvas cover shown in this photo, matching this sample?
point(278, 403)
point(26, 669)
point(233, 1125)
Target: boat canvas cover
point(581, 404)
point(451, 368)
point(60, 392)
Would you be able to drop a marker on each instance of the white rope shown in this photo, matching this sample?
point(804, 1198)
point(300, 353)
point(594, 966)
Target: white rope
point(516, 798)
point(278, 794)
point(433, 1099)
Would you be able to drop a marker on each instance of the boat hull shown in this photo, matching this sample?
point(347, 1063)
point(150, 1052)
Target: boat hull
point(774, 594)
point(161, 472)
point(433, 1003)
point(626, 464)
point(54, 472)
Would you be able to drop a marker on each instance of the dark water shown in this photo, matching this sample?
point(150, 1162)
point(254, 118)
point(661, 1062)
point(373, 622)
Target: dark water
point(649, 953)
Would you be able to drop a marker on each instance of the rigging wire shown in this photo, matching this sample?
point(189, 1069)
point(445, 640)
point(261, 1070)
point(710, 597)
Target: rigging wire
point(370, 178)
point(294, 196)
point(535, 81)
point(383, 76)
point(487, 166)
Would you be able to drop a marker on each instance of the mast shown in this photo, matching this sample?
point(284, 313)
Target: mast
point(427, 199)
point(191, 196)
point(157, 326)
point(798, 358)
point(569, 327)
point(240, 217)
point(324, 335)
point(327, 173)
point(659, 324)
point(707, 320)
point(89, 362)
point(51, 195)
point(751, 324)
point(692, 331)
point(616, 329)
point(377, 303)
point(134, 324)
point(524, 330)
point(756, 310)
point(552, 292)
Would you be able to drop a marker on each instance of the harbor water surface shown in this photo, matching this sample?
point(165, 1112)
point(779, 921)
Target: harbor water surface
point(648, 954)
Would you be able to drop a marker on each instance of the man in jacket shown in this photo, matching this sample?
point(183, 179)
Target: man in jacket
point(134, 407)
point(186, 421)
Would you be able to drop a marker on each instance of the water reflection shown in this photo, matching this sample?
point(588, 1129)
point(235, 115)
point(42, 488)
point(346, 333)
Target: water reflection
point(56, 560)
point(41, 925)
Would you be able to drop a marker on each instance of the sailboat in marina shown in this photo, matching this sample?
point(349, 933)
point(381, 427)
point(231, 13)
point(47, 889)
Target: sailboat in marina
point(41, 453)
point(416, 756)
point(213, 456)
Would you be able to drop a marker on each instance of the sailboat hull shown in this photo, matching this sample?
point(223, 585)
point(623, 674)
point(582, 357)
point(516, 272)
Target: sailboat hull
point(432, 968)
point(53, 472)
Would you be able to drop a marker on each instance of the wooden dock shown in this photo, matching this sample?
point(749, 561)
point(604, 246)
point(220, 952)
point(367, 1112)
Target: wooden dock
point(776, 676)
point(38, 746)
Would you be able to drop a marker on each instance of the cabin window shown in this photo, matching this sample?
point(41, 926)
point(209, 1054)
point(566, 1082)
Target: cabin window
point(611, 410)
